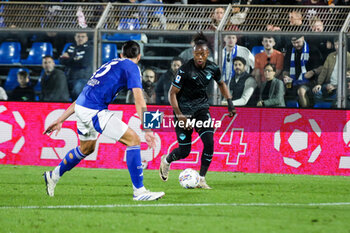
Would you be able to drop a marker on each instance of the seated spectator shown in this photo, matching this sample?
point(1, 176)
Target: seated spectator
point(327, 81)
point(54, 85)
point(24, 91)
point(164, 82)
point(269, 56)
point(78, 62)
point(242, 84)
point(3, 95)
point(302, 64)
point(272, 90)
point(148, 85)
point(229, 53)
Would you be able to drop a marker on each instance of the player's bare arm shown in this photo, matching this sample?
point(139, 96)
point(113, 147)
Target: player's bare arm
point(225, 92)
point(140, 105)
point(57, 124)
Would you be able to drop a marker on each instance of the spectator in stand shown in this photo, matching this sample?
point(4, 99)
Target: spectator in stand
point(325, 45)
point(242, 84)
point(164, 83)
point(272, 90)
point(3, 95)
point(24, 91)
point(315, 3)
point(302, 64)
point(148, 86)
point(229, 53)
point(295, 18)
point(327, 81)
point(217, 17)
point(341, 2)
point(54, 85)
point(269, 56)
point(78, 62)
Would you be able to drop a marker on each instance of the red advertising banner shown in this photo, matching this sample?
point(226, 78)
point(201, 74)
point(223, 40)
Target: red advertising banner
point(256, 140)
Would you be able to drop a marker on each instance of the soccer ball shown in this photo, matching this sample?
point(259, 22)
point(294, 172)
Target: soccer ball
point(189, 178)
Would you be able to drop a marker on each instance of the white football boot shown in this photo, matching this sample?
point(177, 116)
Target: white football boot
point(203, 184)
point(146, 195)
point(164, 168)
point(50, 183)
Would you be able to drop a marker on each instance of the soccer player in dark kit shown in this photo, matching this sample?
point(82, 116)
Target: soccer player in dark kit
point(189, 100)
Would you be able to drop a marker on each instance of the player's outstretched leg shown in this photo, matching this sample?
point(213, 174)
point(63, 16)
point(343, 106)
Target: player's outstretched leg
point(72, 158)
point(207, 156)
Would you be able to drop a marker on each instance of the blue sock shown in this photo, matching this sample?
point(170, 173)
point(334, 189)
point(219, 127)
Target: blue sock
point(133, 160)
point(72, 158)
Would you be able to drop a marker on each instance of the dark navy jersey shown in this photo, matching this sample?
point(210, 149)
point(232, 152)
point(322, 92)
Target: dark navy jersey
point(193, 83)
point(107, 81)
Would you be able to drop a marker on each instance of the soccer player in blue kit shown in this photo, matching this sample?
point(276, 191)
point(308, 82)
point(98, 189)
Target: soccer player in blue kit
point(93, 118)
point(188, 97)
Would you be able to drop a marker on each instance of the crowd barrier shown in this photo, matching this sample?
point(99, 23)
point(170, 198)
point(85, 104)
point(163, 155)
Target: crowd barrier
point(256, 140)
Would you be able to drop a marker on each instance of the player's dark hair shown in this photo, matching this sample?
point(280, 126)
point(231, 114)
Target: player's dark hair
point(200, 39)
point(23, 73)
point(241, 59)
point(131, 49)
point(47, 56)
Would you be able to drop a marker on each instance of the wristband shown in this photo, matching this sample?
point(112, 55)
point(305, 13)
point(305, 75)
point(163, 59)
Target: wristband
point(230, 105)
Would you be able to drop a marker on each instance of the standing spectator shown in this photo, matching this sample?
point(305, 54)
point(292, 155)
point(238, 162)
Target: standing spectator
point(272, 90)
point(271, 56)
point(231, 51)
point(24, 91)
point(324, 44)
point(327, 81)
point(242, 84)
point(53, 82)
point(3, 95)
point(217, 17)
point(78, 62)
point(302, 64)
point(164, 83)
point(148, 87)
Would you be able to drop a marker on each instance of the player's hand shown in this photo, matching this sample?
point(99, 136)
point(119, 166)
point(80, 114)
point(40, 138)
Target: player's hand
point(231, 108)
point(183, 118)
point(56, 125)
point(151, 139)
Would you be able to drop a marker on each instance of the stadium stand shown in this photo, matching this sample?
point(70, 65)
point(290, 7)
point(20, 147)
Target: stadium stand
point(10, 52)
point(37, 52)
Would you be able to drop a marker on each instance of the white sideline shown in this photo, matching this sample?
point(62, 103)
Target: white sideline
point(177, 205)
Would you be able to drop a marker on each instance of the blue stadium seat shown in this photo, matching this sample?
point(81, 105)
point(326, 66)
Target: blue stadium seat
point(257, 49)
point(11, 81)
point(10, 52)
point(109, 51)
point(123, 36)
point(37, 52)
point(292, 104)
point(66, 47)
point(323, 105)
point(129, 24)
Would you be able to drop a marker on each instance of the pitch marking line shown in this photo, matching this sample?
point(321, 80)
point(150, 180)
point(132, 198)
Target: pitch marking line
point(177, 205)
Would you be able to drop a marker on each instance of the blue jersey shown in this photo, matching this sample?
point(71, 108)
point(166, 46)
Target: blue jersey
point(107, 81)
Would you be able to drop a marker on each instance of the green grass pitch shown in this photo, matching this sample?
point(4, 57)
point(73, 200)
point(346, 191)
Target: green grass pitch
point(100, 200)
